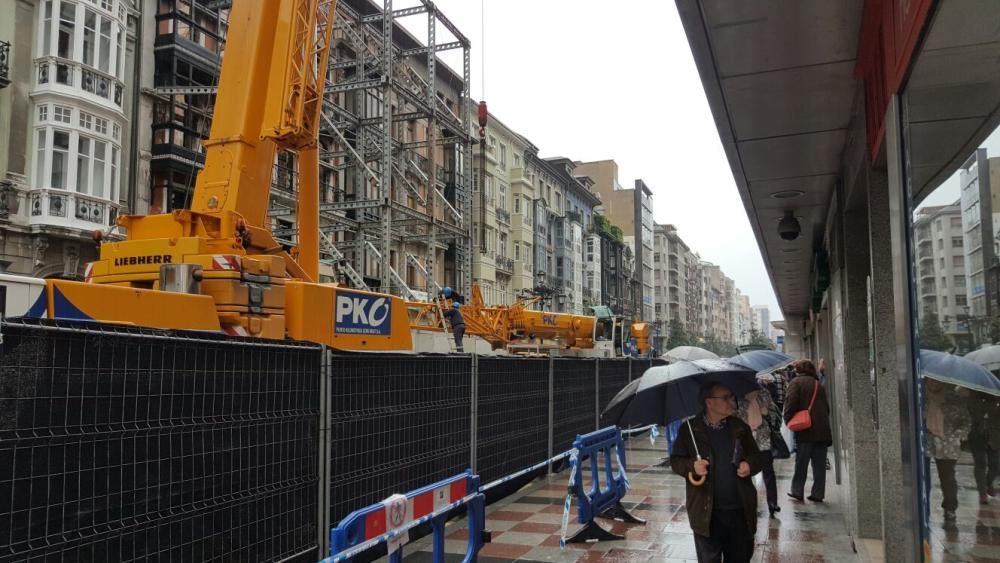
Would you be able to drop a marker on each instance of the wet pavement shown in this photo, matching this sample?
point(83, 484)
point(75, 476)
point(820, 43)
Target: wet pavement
point(526, 525)
point(975, 535)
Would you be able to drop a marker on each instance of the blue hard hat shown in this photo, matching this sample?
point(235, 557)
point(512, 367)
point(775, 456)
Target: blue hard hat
point(447, 291)
point(455, 305)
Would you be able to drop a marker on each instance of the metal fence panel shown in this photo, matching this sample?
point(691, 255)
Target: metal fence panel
point(614, 375)
point(574, 397)
point(513, 415)
point(131, 445)
point(398, 422)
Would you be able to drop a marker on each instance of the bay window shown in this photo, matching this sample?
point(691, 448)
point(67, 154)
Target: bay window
point(78, 162)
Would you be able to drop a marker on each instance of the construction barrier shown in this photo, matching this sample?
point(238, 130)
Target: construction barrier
point(390, 521)
point(607, 485)
point(193, 445)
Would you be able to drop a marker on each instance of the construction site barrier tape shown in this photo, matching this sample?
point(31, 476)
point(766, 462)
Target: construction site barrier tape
point(574, 456)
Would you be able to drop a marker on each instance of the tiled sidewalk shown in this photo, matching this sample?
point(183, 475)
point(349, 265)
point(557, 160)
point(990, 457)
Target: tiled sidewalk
point(526, 525)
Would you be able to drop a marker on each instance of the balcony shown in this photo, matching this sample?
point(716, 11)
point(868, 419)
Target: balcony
point(61, 75)
point(925, 254)
point(4, 64)
point(504, 265)
point(503, 216)
point(49, 206)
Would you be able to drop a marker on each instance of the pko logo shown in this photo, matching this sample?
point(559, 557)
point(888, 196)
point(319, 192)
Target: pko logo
point(358, 313)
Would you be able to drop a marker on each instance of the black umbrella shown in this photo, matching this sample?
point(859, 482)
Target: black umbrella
point(762, 361)
point(667, 393)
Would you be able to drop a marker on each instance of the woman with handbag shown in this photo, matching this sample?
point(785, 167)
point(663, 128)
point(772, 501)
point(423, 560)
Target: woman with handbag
point(760, 413)
point(807, 413)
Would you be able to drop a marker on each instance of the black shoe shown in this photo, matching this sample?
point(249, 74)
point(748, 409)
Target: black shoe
point(773, 509)
point(814, 499)
point(796, 497)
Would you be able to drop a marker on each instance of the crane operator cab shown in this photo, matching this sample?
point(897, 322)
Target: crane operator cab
point(608, 333)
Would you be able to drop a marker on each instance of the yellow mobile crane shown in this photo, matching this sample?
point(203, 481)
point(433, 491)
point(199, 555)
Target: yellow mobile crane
point(216, 266)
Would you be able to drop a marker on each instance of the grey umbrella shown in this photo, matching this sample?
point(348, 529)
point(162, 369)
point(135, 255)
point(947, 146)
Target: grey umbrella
point(689, 353)
point(988, 357)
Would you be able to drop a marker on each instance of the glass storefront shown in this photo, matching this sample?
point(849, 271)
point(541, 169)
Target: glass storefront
point(951, 156)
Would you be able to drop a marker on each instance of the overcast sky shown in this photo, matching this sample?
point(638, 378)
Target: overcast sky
point(593, 80)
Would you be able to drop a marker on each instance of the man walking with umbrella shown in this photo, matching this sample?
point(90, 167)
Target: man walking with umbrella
point(717, 454)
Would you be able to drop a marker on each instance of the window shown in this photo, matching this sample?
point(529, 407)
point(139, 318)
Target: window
point(517, 161)
point(101, 125)
point(940, 243)
point(959, 281)
point(116, 131)
point(86, 120)
point(944, 301)
point(503, 156)
point(517, 205)
point(956, 242)
point(83, 157)
point(63, 114)
point(961, 300)
point(113, 186)
point(956, 222)
point(100, 159)
point(40, 158)
point(106, 4)
point(47, 33)
point(517, 251)
point(944, 281)
point(89, 37)
point(958, 261)
point(941, 263)
point(67, 21)
point(60, 159)
point(937, 225)
point(43, 112)
point(119, 52)
point(104, 56)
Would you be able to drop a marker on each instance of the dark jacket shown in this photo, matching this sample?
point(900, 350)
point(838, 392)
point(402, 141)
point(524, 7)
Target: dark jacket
point(797, 397)
point(699, 499)
point(454, 317)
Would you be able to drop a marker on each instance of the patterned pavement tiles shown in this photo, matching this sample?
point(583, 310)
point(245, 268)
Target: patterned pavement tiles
point(526, 525)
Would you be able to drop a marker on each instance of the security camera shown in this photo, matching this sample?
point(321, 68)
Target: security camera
point(788, 227)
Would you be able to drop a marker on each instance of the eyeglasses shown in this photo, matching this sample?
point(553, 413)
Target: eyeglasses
point(727, 397)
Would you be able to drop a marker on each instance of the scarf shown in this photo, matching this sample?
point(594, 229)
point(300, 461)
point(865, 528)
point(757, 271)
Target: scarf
point(754, 415)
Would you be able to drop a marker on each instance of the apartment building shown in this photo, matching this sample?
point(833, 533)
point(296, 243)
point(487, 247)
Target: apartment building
point(67, 97)
point(498, 226)
point(632, 210)
point(673, 292)
point(571, 228)
point(941, 267)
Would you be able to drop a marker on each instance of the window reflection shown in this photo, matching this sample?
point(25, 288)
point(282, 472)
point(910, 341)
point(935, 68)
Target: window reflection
point(953, 174)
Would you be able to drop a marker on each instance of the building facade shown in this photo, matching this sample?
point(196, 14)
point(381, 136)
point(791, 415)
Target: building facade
point(64, 136)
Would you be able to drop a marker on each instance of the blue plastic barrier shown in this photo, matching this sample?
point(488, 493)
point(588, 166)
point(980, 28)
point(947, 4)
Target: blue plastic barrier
point(389, 522)
point(608, 486)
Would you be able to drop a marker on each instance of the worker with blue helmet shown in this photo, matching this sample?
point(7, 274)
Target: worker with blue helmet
point(454, 316)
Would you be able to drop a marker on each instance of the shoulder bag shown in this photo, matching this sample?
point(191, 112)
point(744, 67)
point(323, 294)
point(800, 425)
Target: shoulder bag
point(802, 420)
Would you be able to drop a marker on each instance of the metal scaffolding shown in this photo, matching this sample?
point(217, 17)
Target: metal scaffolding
point(396, 133)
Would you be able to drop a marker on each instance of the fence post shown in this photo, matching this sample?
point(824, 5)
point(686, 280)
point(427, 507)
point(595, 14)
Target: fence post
point(474, 422)
point(630, 370)
point(597, 394)
point(552, 406)
point(323, 520)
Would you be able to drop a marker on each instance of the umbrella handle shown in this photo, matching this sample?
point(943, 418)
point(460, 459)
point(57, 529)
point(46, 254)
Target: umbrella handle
point(699, 481)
